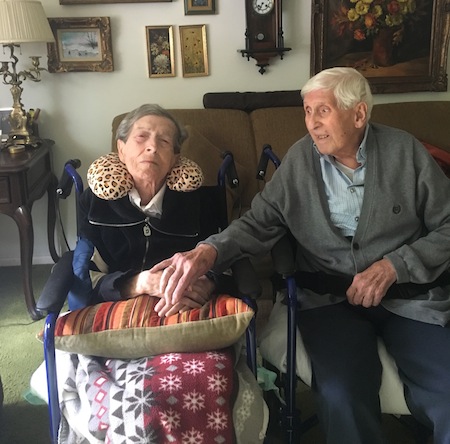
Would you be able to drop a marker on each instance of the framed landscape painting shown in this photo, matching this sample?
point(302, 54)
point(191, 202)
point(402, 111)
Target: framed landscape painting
point(81, 44)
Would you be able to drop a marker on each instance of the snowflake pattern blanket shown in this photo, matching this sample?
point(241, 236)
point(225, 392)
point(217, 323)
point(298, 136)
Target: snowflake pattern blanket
point(184, 398)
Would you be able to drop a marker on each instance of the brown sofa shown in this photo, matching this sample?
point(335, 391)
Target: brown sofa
point(245, 131)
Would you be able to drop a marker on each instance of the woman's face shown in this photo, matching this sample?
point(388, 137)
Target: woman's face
point(148, 153)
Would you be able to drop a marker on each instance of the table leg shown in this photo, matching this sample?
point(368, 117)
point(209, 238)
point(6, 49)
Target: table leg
point(51, 217)
point(23, 219)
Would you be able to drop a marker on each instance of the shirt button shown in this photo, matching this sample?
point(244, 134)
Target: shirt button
point(356, 246)
point(356, 219)
point(352, 190)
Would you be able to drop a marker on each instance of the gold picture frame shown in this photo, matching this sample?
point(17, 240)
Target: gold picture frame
point(81, 44)
point(194, 7)
point(104, 2)
point(420, 43)
point(160, 51)
point(194, 50)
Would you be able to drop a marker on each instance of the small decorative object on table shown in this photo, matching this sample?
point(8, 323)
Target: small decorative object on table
point(21, 22)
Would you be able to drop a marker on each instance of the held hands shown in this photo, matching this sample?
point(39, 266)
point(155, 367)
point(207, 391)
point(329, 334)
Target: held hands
point(149, 282)
point(370, 286)
point(194, 297)
point(182, 270)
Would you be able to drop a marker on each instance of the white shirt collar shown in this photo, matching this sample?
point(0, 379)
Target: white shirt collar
point(154, 207)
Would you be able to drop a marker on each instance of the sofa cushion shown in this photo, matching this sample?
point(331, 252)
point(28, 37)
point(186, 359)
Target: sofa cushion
point(249, 101)
point(441, 156)
point(131, 328)
point(278, 127)
point(425, 120)
point(209, 157)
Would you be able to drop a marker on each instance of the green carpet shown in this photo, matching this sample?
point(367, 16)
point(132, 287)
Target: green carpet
point(20, 354)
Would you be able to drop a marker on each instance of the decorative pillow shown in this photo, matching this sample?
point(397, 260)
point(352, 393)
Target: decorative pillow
point(441, 156)
point(109, 178)
point(131, 329)
point(209, 157)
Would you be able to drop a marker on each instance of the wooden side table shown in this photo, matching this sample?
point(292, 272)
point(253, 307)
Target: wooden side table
point(24, 178)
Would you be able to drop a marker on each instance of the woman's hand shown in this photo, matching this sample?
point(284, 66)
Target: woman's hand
point(146, 282)
point(194, 297)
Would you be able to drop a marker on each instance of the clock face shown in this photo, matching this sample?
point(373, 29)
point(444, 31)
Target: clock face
point(263, 6)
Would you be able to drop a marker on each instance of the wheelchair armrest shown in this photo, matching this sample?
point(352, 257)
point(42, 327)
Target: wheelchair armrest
point(283, 257)
point(247, 282)
point(57, 286)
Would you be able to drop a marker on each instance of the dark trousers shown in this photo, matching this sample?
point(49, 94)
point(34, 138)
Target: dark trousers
point(342, 343)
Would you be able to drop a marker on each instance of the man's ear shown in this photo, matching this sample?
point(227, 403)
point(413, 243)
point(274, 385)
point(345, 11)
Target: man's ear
point(360, 115)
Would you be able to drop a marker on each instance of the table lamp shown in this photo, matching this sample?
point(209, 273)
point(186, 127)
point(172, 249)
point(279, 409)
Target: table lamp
point(21, 21)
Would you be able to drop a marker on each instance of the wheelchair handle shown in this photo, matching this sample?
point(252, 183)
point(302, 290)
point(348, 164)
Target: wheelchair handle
point(69, 177)
point(266, 155)
point(228, 169)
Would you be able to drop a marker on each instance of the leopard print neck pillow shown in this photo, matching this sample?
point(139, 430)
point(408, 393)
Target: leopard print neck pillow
point(109, 178)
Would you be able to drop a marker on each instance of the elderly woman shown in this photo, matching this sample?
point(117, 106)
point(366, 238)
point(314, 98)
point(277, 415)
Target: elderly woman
point(125, 237)
point(140, 381)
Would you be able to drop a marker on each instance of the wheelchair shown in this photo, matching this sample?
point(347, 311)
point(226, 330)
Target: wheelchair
point(61, 280)
point(283, 352)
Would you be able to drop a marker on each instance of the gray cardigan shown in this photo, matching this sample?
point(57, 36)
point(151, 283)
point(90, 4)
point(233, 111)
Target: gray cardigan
point(405, 217)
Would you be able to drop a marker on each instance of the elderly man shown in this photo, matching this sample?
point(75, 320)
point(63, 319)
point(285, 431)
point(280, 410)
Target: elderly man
point(367, 205)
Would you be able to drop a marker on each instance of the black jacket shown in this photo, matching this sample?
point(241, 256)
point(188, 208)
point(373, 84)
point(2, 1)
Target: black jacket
point(129, 242)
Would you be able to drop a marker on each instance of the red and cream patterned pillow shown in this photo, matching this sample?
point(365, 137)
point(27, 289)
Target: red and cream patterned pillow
point(131, 329)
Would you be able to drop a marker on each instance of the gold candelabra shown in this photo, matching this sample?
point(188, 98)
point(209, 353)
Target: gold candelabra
point(23, 125)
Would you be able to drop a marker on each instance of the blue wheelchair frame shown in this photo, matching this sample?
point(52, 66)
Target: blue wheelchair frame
point(57, 287)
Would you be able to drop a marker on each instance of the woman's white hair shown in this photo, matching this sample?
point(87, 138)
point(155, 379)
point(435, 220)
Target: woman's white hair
point(348, 85)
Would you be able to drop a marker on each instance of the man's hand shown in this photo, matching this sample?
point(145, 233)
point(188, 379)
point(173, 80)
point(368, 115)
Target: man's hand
point(185, 268)
point(195, 297)
point(370, 286)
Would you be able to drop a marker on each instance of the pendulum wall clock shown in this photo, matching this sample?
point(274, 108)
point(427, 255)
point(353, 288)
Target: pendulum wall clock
point(264, 33)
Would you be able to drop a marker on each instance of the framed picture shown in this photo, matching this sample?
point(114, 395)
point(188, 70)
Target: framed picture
point(160, 54)
point(4, 123)
point(192, 7)
point(81, 44)
point(398, 46)
point(194, 52)
point(93, 2)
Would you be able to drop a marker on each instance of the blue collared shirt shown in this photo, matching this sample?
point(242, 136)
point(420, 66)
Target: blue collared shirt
point(345, 189)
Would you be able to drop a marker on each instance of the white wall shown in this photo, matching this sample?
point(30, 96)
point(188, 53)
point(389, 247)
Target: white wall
point(77, 108)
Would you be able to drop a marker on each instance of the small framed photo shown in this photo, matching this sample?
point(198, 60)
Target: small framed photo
point(5, 125)
point(81, 44)
point(160, 53)
point(192, 7)
point(194, 51)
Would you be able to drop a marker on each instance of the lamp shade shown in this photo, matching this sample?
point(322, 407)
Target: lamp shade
point(23, 21)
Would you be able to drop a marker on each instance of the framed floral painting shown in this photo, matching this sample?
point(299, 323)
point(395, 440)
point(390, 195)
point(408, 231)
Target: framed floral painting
point(194, 50)
point(398, 45)
point(160, 51)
